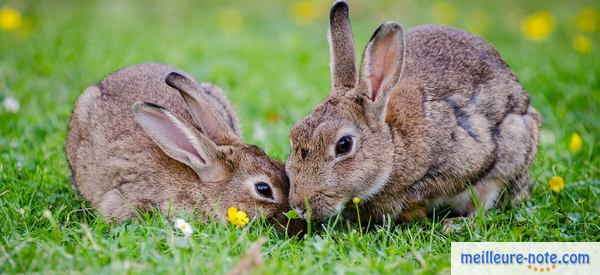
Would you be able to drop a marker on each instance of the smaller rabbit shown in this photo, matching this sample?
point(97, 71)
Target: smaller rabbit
point(181, 150)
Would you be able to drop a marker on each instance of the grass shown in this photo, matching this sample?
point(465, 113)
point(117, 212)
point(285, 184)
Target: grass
point(274, 71)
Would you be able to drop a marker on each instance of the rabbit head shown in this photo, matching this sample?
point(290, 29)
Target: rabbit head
point(241, 175)
point(344, 148)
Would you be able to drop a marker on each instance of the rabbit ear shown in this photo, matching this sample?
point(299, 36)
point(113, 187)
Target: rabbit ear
point(203, 115)
point(177, 139)
point(382, 64)
point(341, 48)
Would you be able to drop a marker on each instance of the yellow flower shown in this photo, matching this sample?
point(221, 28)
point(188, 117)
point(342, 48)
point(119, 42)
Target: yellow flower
point(237, 217)
point(356, 200)
point(587, 20)
point(10, 19)
point(576, 143)
point(582, 44)
point(538, 26)
point(229, 20)
point(303, 13)
point(557, 183)
point(443, 12)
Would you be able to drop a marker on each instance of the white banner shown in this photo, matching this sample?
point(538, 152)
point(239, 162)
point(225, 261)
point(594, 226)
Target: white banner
point(525, 258)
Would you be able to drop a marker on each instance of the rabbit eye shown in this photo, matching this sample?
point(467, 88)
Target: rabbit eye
point(264, 189)
point(343, 146)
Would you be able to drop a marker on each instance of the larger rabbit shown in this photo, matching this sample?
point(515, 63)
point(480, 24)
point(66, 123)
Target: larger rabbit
point(434, 118)
point(185, 154)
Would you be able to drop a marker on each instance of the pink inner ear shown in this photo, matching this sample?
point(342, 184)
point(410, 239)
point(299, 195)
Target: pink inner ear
point(375, 83)
point(171, 135)
point(382, 62)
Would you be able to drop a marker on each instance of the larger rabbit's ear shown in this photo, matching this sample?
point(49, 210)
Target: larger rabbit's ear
point(382, 63)
point(204, 116)
point(341, 48)
point(179, 140)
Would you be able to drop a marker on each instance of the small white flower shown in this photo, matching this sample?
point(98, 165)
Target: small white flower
point(11, 104)
point(184, 227)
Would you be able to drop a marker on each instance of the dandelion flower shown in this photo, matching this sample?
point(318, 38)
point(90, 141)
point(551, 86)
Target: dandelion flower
point(587, 20)
point(237, 217)
point(582, 44)
point(11, 104)
point(356, 200)
point(229, 20)
point(538, 26)
point(10, 19)
point(303, 13)
point(556, 184)
point(576, 143)
point(184, 227)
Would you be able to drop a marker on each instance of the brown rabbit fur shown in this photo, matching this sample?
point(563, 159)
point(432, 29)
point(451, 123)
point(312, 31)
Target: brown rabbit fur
point(433, 112)
point(187, 154)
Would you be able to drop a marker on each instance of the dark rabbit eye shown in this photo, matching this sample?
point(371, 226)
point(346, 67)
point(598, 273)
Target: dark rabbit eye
point(343, 146)
point(264, 189)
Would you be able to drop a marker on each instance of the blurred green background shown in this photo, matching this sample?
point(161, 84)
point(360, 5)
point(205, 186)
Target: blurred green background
point(271, 57)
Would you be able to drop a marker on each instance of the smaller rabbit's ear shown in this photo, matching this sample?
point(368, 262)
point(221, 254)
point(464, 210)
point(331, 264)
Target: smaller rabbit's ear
point(382, 64)
point(341, 48)
point(178, 139)
point(203, 115)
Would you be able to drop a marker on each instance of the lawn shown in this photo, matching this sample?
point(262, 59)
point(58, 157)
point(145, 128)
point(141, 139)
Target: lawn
point(272, 59)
